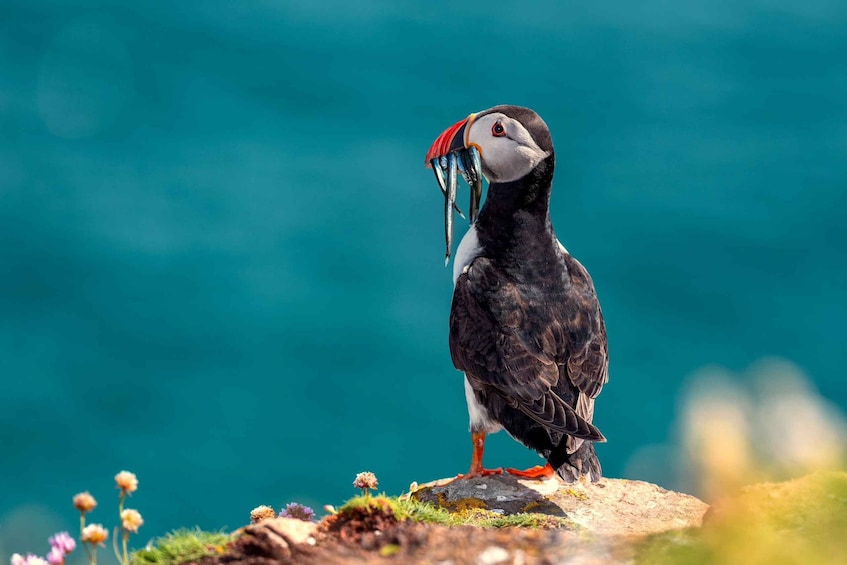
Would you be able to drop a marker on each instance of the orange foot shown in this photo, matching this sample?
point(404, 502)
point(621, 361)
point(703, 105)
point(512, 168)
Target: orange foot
point(477, 470)
point(537, 472)
point(473, 473)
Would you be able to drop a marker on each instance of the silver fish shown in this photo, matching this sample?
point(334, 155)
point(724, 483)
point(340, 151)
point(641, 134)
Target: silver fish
point(466, 161)
point(471, 167)
point(450, 202)
point(439, 176)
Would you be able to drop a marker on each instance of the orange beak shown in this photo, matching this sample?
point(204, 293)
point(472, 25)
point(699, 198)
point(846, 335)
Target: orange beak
point(451, 139)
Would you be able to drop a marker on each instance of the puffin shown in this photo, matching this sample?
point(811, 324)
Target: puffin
point(526, 327)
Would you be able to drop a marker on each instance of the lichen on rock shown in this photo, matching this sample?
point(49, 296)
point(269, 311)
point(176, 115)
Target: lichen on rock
point(607, 507)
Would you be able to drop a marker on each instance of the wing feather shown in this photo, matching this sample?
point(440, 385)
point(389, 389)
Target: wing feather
point(539, 356)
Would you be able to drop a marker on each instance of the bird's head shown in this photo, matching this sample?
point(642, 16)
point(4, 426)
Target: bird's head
point(504, 143)
point(511, 141)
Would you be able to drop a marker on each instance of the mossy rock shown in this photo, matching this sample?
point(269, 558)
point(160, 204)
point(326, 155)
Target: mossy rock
point(608, 507)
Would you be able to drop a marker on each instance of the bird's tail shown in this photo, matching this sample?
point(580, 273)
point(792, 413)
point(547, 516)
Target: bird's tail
point(581, 463)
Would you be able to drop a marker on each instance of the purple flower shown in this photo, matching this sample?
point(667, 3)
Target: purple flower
point(56, 556)
point(62, 542)
point(295, 510)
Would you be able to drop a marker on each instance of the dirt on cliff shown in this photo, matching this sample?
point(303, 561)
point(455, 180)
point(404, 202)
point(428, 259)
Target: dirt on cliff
point(595, 523)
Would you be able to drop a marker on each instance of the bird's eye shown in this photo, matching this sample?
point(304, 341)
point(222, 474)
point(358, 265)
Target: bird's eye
point(497, 130)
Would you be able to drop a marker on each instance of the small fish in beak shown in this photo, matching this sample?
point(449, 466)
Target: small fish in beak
point(448, 154)
point(467, 162)
point(471, 167)
point(439, 176)
point(450, 203)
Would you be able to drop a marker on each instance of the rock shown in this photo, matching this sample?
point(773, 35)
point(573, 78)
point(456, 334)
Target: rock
point(274, 539)
point(609, 507)
point(492, 555)
point(610, 522)
point(581, 524)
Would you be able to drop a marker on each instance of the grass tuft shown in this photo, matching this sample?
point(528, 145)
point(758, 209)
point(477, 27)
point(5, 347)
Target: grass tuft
point(182, 545)
point(410, 509)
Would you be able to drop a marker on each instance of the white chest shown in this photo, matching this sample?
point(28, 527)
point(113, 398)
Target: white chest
point(468, 250)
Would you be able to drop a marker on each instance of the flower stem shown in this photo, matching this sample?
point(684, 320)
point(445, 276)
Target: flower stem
point(91, 560)
point(126, 557)
point(93, 554)
point(115, 545)
point(115, 536)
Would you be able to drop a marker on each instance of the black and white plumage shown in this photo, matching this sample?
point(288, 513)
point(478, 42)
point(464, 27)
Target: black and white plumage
point(525, 325)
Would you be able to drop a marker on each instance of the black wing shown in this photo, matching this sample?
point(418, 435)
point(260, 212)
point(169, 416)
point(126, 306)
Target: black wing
point(541, 352)
point(588, 361)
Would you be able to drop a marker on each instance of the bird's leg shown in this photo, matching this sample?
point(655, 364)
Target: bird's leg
point(537, 472)
point(477, 470)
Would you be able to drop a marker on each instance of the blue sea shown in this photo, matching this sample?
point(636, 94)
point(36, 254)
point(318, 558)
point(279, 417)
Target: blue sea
point(221, 256)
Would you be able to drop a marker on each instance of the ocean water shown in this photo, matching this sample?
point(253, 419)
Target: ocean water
point(221, 255)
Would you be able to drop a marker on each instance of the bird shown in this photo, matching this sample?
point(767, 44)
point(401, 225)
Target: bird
point(525, 325)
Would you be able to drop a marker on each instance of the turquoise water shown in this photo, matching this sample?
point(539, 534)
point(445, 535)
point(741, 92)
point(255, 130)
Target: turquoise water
point(221, 256)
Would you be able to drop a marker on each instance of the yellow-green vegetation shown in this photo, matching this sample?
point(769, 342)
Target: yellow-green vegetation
point(460, 505)
point(487, 519)
point(181, 546)
point(577, 494)
point(401, 508)
point(470, 515)
point(389, 550)
point(800, 521)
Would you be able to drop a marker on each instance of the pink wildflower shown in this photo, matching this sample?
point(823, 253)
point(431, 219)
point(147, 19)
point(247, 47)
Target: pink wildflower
point(63, 542)
point(56, 556)
point(30, 559)
point(366, 481)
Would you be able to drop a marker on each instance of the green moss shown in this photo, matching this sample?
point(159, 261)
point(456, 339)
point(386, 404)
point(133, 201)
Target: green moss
point(380, 502)
point(466, 504)
point(799, 521)
point(403, 508)
point(532, 520)
point(468, 513)
point(424, 512)
point(181, 546)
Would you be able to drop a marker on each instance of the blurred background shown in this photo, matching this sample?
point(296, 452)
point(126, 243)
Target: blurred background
point(221, 255)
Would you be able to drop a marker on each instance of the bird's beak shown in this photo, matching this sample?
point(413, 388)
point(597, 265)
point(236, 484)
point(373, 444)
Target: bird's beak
point(452, 139)
point(450, 152)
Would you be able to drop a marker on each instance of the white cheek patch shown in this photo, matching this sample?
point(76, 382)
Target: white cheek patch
point(532, 156)
point(507, 158)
